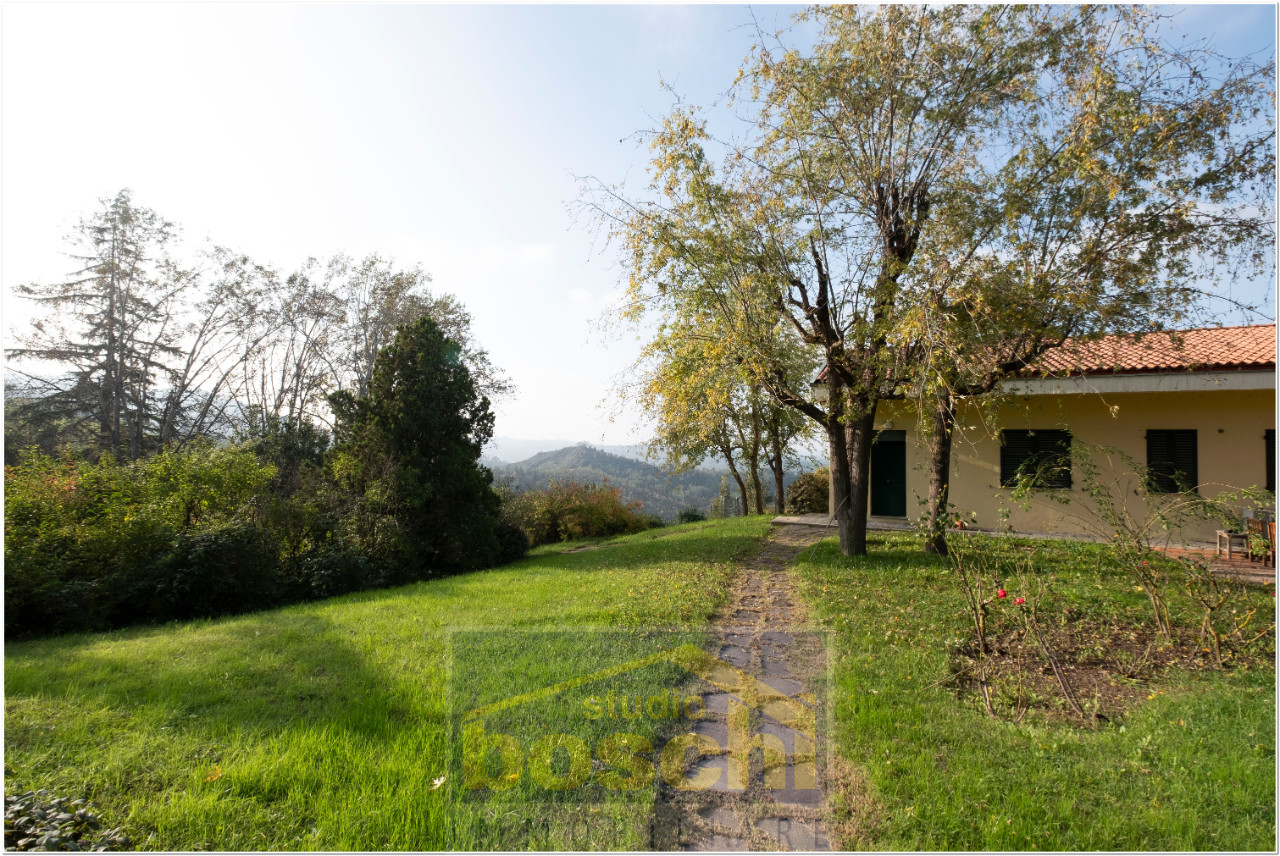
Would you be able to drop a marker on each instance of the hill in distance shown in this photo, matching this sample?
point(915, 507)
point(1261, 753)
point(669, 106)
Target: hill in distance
point(506, 450)
point(659, 493)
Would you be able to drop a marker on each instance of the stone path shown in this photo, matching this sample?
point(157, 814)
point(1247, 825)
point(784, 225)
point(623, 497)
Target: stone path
point(781, 805)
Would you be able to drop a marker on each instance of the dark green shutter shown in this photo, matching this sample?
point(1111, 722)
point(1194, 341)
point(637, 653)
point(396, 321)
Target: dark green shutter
point(1172, 462)
point(1270, 439)
point(1045, 452)
point(1016, 447)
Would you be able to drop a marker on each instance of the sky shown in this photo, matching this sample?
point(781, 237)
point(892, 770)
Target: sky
point(449, 136)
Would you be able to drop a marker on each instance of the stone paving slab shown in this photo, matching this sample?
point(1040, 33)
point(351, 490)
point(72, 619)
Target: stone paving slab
point(782, 806)
point(795, 834)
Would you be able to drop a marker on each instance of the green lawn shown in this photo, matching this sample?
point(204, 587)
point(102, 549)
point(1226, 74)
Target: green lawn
point(1190, 766)
point(324, 726)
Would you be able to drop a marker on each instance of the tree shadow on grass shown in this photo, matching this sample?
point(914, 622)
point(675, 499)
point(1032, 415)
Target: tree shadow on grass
point(267, 671)
point(254, 673)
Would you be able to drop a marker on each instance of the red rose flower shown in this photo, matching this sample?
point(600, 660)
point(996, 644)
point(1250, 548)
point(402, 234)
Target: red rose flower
point(1001, 593)
point(1019, 600)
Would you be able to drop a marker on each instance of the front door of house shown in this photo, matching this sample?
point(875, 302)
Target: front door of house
point(889, 474)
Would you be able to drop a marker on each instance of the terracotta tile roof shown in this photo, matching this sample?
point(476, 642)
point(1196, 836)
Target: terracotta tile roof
point(1205, 349)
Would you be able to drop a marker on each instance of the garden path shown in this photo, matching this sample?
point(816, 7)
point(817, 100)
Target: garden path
point(761, 633)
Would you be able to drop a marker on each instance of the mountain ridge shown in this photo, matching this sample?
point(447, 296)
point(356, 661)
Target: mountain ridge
point(660, 493)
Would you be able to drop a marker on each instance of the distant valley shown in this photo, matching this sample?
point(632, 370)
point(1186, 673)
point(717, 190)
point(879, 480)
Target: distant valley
point(660, 494)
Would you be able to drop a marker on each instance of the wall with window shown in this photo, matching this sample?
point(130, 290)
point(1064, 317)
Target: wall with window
point(1216, 440)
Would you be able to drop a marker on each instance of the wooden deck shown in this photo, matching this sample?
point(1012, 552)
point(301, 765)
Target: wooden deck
point(1237, 567)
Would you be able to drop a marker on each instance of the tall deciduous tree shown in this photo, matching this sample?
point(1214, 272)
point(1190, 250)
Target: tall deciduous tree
point(377, 298)
point(1141, 177)
point(322, 329)
point(921, 163)
point(205, 386)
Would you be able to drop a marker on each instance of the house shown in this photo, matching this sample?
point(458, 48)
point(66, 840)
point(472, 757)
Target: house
point(1195, 407)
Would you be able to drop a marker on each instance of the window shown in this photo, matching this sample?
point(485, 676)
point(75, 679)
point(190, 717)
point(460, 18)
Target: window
point(1171, 461)
point(1045, 455)
point(1270, 439)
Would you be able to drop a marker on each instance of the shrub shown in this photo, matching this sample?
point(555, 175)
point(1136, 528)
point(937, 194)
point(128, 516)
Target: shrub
point(809, 493)
point(328, 571)
point(566, 511)
point(37, 821)
point(227, 569)
point(691, 515)
point(293, 449)
point(513, 544)
point(87, 544)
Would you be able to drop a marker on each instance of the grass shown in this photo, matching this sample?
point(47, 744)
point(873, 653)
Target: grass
point(1189, 766)
point(325, 726)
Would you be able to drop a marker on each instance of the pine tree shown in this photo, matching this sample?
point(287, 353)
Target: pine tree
point(110, 325)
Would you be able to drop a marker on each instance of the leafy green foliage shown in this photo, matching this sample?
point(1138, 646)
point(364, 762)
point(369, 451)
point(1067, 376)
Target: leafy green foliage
point(216, 570)
point(809, 494)
point(409, 460)
point(691, 515)
point(210, 530)
point(568, 511)
point(37, 821)
point(87, 545)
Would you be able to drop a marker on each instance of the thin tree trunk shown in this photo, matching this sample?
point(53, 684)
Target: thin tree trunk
point(754, 459)
point(839, 453)
point(737, 477)
point(860, 430)
point(115, 314)
point(944, 419)
point(758, 486)
point(775, 464)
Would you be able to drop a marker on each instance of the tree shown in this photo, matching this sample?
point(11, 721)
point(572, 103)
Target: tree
point(919, 151)
point(206, 384)
point(298, 334)
point(704, 404)
point(156, 350)
point(377, 298)
point(322, 329)
point(1142, 172)
point(112, 322)
point(409, 455)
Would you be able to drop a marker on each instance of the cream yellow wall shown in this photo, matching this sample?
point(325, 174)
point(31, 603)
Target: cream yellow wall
point(1229, 429)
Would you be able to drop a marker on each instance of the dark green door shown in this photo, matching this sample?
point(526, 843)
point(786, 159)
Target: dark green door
point(889, 474)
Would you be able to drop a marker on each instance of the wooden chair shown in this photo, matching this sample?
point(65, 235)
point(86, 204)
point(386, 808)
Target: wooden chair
point(1261, 541)
point(1232, 538)
point(1271, 542)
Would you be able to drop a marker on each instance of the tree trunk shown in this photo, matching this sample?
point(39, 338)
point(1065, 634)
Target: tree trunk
point(775, 464)
point(756, 436)
point(742, 487)
point(859, 431)
point(944, 420)
point(839, 453)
